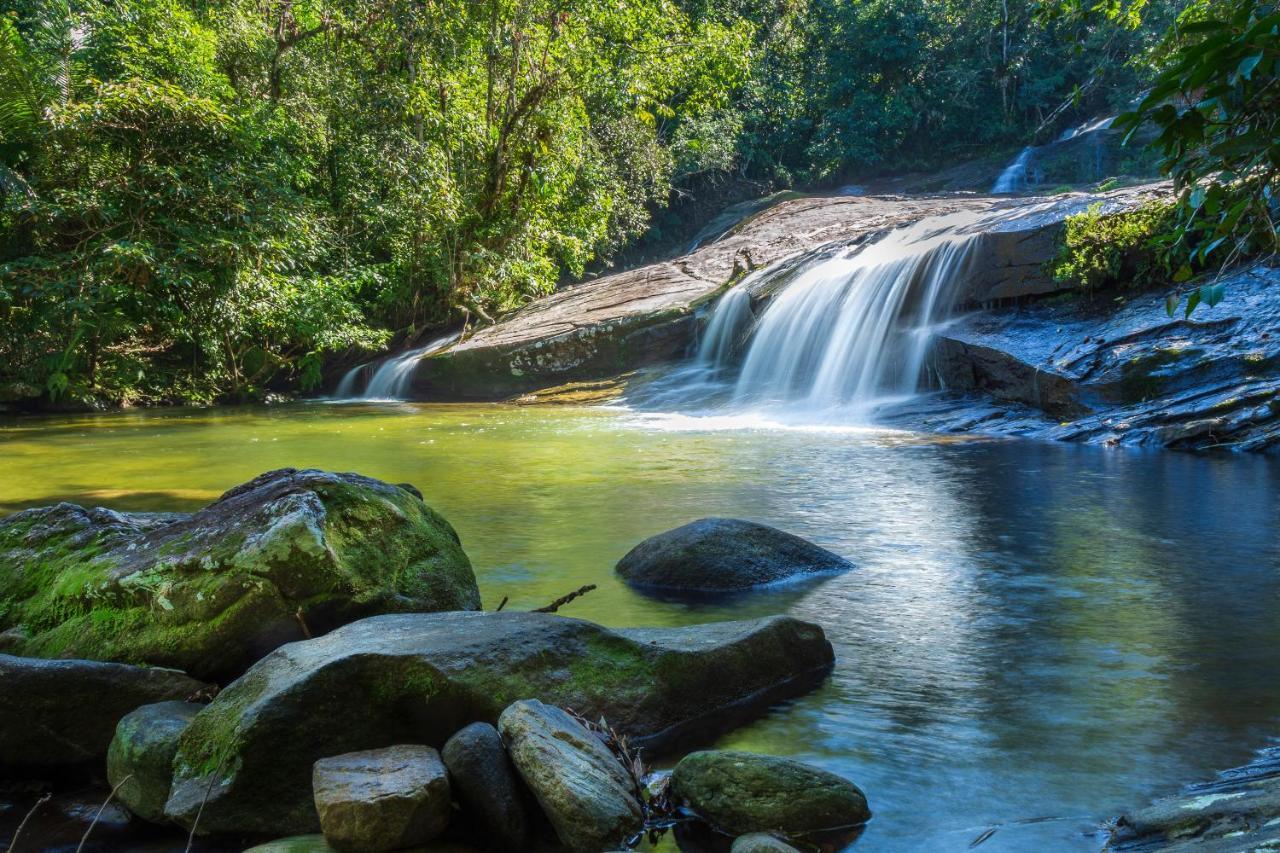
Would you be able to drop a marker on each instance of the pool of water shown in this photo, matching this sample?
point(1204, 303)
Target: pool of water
point(1036, 637)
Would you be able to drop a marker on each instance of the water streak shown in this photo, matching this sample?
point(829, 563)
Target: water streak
point(1014, 176)
point(391, 379)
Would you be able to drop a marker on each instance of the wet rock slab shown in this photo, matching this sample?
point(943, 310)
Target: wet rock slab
point(382, 799)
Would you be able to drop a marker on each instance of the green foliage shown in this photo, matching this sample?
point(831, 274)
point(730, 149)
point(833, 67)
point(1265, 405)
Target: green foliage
point(1100, 250)
point(1217, 105)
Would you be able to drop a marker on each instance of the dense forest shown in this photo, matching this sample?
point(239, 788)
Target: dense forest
point(203, 201)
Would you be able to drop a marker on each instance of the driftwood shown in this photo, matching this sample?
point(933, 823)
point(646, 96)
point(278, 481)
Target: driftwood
point(564, 599)
point(13, 842)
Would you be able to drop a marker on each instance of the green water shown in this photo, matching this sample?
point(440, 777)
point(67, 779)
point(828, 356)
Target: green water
point(1036, 636)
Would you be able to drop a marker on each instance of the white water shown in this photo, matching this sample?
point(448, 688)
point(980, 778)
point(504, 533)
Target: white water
point(393, 377)
point(1014, 176)
point(847, 335)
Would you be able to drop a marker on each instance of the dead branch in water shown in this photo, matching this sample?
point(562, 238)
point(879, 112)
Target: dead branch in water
point(13, 842)
point(98, 814)
point(502, 604)
point(302, 623)
point(564, 599)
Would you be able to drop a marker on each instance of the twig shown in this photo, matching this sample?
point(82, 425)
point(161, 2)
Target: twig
point(13, 842)
point(98, 814)
point(302, 623)
point(191, 837)
point(564, 599)
point(501, 604)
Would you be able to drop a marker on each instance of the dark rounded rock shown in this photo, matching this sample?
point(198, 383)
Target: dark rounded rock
point(61, 713)
point(486, 785)
point(742, 792)
point(140, 759)
point(724, 555)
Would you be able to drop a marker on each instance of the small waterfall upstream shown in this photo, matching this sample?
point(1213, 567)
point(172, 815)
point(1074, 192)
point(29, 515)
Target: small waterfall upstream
point(1014, 176)
point(847, 334)
point(389, 379)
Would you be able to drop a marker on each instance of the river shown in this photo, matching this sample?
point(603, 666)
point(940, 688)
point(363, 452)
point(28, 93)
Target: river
point(1036, 637)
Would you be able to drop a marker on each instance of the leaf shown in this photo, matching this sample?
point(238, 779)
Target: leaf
point(1212, 293)
point(1245, 69)
point(1184, 272)
point(1171, 304)
point(1193, 299)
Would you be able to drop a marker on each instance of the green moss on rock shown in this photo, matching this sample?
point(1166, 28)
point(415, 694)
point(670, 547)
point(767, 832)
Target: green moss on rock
point(288, 553)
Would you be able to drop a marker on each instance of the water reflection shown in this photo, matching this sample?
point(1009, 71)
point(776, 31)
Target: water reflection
point(1036, 636)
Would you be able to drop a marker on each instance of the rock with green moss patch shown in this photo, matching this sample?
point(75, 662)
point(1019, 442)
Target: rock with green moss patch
point(421, 677)
point(742, 792)
point(61, 713)
point(140, 759)
point(287, 553)
point(586, 793)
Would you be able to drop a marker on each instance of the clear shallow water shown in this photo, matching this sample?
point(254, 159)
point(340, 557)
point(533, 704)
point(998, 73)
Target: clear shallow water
point(1034, 631)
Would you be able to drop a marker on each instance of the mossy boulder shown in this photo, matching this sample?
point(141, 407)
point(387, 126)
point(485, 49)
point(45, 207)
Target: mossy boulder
point(140, 759)
point(586, 793)
point(57, 714)
point(743, 792)
point(421, 677)
point(724, 555)
point(288, 553)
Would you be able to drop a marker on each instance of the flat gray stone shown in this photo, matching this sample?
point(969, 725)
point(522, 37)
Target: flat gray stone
point(382, 799)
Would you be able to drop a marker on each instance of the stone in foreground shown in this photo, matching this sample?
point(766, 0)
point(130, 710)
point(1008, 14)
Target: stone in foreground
point(583, 789)
point(287, 553)
point(382, 799)
point(724, 555)
point(421, 677)
point(742, 792)
point(760, 842)
point(140, 759)
point(316, 843)
point(60, 713)
point(485, 784)
point(1239, 812)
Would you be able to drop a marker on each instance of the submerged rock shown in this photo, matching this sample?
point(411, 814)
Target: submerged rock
point(760, 842)
point(382, 799)
point(60, 713)
point(742, 792)
point(140, 759)
point(287, 553)
point(724, 554)
point(399, 678)
point(583, 789)
point(486, 785)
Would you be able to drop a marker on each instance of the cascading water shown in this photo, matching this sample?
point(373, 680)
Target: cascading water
point(392, 378)
point(849, 332)
point(1014, 176)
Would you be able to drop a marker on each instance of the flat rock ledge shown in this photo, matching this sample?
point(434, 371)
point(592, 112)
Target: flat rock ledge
point(419, 678)
point(288, 554)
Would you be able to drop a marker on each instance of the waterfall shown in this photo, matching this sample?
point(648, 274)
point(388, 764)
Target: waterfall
point(1014, 176)
point(843, 335)
point(724, 332)
point(393, 377)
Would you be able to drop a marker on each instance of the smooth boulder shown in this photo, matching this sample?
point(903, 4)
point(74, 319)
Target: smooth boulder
point(486, 786)
point(421, 677)
point(140, 758)
point(760, 842)
point(743, 792)
point(61, 713)
point(382, 799)
point(582, 787)
point(724, 555)
point(286, 555)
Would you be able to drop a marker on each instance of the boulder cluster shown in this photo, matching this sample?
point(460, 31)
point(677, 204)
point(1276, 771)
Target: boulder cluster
point(368, 703)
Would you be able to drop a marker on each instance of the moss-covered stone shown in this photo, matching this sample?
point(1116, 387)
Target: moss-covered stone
point(140, 759)
point(742, 792)
point(421, 677)
point(289, 553)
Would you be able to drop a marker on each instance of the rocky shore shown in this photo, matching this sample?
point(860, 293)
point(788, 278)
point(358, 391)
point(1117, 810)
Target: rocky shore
point(351, 695)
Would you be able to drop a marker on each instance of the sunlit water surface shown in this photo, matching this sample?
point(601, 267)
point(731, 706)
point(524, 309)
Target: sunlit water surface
point(1036, 636)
